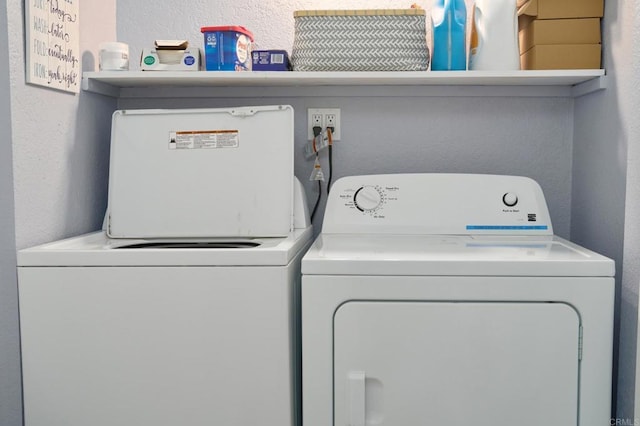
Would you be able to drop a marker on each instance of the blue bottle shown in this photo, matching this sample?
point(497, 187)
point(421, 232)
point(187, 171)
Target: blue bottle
point(449, 19)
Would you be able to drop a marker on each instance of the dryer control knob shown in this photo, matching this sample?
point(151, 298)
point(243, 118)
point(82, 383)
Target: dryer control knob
point(510, 199)
point(367, 198)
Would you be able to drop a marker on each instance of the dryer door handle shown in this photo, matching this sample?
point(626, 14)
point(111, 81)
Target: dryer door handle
point(356, 398)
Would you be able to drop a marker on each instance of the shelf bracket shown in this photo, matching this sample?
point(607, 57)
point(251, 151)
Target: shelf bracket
point(590, 86)
point(95, 86)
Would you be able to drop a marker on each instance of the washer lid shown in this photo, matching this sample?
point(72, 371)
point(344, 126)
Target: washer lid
point(465, 255)
point(201, 173)
point(97, 250)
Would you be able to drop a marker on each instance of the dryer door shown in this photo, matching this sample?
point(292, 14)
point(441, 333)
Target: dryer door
point(434, 363)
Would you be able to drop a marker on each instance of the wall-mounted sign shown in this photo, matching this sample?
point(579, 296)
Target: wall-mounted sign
point(53, 44)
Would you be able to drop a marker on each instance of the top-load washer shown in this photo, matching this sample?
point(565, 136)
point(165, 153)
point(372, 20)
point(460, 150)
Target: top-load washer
point(193, 318)
point(446, 299)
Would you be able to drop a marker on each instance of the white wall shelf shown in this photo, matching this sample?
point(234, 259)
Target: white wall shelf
point(186, 84)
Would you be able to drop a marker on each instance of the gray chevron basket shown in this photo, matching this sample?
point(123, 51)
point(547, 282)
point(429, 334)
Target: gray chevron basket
point(360, 40)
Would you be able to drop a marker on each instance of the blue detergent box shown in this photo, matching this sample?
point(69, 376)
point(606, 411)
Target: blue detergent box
point(270, 60)
point(227, 48)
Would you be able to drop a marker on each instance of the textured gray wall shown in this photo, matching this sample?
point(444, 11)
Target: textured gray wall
point(606, 172)
point(630, 92)
point(60, 140)
point(10, 391)
point(530, 137)
point(54, 150)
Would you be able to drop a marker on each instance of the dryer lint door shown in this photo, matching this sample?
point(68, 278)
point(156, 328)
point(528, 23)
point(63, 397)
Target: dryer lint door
point(432, 363)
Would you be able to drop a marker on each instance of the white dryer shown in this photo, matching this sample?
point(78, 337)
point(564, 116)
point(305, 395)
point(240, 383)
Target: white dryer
point(446, 299)
point(191, 315)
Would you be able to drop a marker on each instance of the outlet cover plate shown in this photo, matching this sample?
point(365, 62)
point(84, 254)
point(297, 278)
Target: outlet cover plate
point(324, 112)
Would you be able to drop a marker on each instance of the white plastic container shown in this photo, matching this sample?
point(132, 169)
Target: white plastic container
point(114, 56)
point(494, 36)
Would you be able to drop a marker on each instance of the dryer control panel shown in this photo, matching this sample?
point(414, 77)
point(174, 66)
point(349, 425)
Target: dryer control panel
point(437, 204)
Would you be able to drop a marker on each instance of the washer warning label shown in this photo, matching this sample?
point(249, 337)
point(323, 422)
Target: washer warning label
point(204, 139)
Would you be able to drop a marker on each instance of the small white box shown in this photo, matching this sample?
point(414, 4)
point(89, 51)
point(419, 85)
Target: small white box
point(170, 55)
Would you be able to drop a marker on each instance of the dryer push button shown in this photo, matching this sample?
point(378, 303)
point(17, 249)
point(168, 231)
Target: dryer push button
point(510, 199)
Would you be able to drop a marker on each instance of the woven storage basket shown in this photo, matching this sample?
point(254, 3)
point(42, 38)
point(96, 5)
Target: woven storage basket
point(360, 40)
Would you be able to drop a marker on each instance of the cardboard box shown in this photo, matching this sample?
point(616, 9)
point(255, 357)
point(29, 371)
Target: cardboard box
point(170, 55)
point(555, 9)
point(270, 60)
point(561, 56)
point(558, 31)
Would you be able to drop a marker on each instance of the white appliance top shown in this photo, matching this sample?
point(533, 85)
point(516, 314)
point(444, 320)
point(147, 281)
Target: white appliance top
point(201, 173)
point(96, 249)
point(444, 224)
point(457, 255)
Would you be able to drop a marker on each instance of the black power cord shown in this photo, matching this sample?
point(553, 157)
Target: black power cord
point(330, 136)
point(316, 132)
point(315, 208)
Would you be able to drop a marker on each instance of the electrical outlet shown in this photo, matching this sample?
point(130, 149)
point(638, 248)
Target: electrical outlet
point(331, 120)
point(316, 121)
point(324, 117)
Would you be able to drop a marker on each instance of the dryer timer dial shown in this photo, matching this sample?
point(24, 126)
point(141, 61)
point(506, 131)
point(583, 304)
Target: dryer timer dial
point(367, 198)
